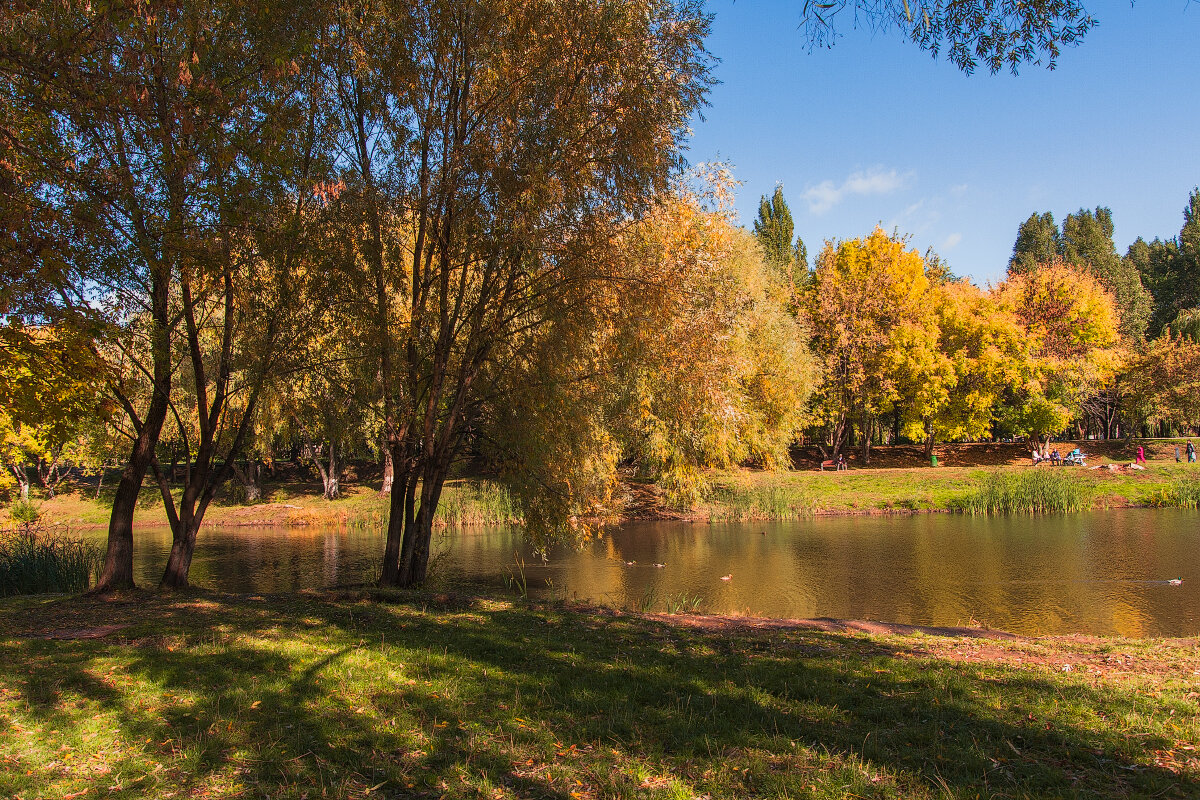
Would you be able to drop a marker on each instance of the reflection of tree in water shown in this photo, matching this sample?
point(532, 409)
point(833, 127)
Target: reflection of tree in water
point(1045, 574)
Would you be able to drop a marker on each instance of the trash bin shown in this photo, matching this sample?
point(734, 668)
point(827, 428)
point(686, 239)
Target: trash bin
point(933, 460)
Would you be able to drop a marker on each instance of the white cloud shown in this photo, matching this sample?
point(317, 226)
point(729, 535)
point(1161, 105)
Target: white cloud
point(958, 190)
point(826, 195)
point(951, 241)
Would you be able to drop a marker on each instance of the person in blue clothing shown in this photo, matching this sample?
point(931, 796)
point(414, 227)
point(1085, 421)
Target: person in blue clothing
point(1191, 452)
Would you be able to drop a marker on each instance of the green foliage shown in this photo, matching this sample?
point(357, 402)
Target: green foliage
point(1171, 271)
point(1037, 243)
point(34, 563)
point(1033, 491)
point(774, 230)
point(971, 32)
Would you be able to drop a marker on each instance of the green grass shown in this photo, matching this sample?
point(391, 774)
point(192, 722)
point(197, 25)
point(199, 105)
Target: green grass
point(36, 561)
point(1034, 491)
point(206, 695)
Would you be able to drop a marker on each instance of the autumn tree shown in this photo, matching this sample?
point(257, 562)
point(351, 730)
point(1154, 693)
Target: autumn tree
point(952, 390)
point(488, 148)
point(166, 139)
point(870, 312)
point(1071, 332)
point(1086, 241)
point(708, 369)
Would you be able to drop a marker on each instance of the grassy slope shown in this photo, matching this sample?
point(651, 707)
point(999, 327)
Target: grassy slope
point(218, 696)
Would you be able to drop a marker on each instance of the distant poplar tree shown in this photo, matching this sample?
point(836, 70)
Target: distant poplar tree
point(774, 231)
point(1037, 243)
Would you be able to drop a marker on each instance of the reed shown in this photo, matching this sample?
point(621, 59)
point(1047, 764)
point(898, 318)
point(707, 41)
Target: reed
point(1037, 491)
point(33, 562)
point(762, 502)
point(1181, 493)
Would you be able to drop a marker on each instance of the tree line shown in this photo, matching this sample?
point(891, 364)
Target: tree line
point(455, 231)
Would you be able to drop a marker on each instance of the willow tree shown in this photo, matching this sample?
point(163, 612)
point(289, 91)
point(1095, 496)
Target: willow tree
point(163, 141)
point(488, 149)
point(997, 33)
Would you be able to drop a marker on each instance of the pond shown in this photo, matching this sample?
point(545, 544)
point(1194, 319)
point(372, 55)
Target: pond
point(1099, 573)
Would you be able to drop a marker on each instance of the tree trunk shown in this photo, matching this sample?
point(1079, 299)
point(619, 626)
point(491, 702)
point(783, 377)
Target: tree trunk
point(22, 476)
point(928, 441)
point(389, 472)
point(117, 572)
point(868, 430)
point(250, 477)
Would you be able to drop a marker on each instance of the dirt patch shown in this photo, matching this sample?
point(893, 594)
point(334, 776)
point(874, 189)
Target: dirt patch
point(724, 623)
point(79, 633)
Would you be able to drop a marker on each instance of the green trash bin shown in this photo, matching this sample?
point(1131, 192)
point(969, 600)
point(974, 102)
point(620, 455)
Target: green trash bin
point(933, 460)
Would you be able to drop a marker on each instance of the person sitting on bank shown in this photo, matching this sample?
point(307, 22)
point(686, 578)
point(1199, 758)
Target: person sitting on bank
point(1055, 457)
point(841, 463)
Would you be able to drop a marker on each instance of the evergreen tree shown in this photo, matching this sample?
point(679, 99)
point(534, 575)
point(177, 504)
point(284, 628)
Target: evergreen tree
point(774, 230)
point(1037, 243)
point(1087, 241)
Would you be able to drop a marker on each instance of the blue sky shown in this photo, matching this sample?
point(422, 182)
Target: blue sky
point(875, 131)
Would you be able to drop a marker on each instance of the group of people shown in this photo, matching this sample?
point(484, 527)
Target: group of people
point(1056, 458)
point(1191, 452)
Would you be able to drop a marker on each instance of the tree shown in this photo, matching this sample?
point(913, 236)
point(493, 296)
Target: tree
point(1163, 381)
point(869, 309)
point(1037, 243)
point(1000, 34)
point(774, 231)
point(163, 141)
point(1171, 269)
point(490, 148)
point(1087, 242)
point(979, 357)
point(1070, 327)
point(708, 369)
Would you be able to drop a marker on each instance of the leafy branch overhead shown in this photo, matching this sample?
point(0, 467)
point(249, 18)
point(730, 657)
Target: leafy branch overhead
point(999, 34)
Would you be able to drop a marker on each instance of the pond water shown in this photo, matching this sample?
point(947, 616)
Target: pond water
point(1098, 573)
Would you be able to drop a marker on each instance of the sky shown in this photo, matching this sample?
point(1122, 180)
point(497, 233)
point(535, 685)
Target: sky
point(875, 132)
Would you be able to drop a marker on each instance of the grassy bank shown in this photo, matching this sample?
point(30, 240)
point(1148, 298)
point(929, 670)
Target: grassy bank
point(305, 696)
point(990, 478)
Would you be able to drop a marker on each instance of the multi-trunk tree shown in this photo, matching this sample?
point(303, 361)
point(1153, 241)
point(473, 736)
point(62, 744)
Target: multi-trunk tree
point(169, 144)
point(488, 149)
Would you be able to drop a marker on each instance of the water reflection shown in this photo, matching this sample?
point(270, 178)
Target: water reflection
point(1103, 573)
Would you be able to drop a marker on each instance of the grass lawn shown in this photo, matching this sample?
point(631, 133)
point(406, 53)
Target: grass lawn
point(209, 695)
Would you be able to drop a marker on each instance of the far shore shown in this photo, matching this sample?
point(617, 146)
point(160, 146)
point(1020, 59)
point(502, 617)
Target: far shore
point(899, 480)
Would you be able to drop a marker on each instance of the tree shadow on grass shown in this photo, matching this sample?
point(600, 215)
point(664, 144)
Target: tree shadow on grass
point(287, 695)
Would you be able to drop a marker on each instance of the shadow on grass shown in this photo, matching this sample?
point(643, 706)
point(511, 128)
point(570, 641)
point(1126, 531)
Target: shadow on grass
point(286, 695)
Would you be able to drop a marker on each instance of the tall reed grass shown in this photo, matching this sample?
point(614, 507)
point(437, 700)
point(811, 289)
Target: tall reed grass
point(761, 503)
point(1181, 493)
point(33, 562)
point(1037, 491)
